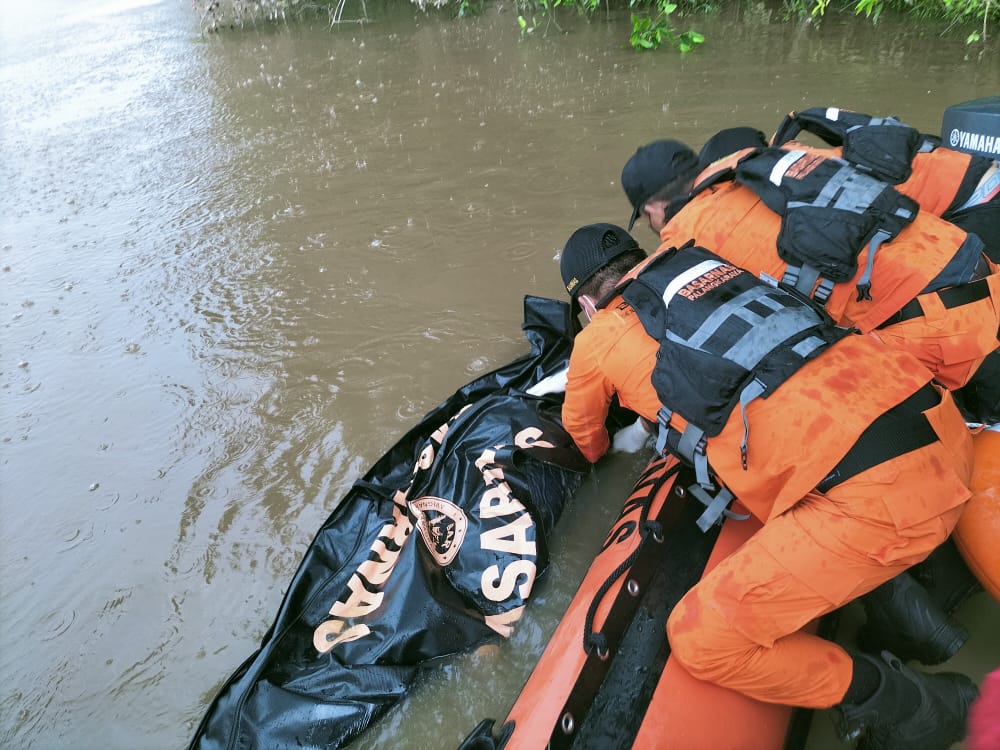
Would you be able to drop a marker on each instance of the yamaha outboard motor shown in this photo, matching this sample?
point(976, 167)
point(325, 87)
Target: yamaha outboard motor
point(973, 127)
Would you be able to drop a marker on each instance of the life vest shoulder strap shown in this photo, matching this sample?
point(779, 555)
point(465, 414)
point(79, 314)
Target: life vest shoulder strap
point(722, 170)
point(902, 429)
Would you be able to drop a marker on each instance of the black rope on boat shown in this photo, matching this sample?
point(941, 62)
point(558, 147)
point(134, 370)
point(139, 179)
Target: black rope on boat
point(597, 641)
point(602, 648)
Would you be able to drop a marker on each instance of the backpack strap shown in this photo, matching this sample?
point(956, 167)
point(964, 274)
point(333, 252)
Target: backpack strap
point(690, 447)
point(902, 429)
point(716, 508)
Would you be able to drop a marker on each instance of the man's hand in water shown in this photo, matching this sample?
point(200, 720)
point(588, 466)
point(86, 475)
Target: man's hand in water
point(631, 439)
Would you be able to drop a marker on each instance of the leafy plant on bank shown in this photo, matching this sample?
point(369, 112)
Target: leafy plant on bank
point(649, 32)
point(651, 23)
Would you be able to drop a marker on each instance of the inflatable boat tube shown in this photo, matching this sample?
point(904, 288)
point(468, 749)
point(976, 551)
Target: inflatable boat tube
point(978, 530)
point(605, 679)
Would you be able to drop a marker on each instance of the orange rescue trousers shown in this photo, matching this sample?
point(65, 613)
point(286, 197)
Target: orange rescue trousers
point(739, 627)
point(951, 342)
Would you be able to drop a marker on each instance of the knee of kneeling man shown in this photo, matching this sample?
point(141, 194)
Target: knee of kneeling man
point(695, 645)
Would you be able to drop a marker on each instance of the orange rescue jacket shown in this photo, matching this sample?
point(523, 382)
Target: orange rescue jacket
point(939, 182)
point(940, 179)
point(797, 435)
point(732, 220)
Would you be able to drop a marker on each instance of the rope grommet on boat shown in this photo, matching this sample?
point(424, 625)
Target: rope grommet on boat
point(597, 644)
point(632, 586)
point(567, 724)
point(653, 529)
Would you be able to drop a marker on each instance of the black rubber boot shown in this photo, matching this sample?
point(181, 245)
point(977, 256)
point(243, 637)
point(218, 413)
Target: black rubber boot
point(909, 710)
point(946, 577)
point(902, 616)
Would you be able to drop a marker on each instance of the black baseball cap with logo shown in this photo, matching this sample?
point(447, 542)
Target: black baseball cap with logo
point(652, 168)
point(588, 250)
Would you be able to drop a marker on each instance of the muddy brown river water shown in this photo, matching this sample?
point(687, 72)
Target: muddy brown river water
point(236, 267)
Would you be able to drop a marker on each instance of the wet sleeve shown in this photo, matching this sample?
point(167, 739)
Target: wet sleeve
point(588, 397)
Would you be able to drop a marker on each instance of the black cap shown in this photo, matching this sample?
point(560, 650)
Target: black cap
point(653, 167)
point(728, 141)
point(588, 250)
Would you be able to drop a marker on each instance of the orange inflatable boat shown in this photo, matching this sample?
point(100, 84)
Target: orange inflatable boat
point(606, 679)
point(978, 531)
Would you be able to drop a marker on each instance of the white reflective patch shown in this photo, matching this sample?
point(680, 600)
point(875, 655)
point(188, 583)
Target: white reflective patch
point(786, 161)
point(687, 277)
point(832, 113)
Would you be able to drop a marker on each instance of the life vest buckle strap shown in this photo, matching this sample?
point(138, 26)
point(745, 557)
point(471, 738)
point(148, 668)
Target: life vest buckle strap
point(865, 282)
point(791, 276)
point(663, 417)
point(803, 278)
point(748, 394)
point(716, 508)
point(691, 447)
point(701, 470)
point(823, 291)
point(807, 277)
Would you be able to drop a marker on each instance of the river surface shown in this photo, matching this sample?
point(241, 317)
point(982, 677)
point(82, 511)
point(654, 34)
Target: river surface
point(236, 267)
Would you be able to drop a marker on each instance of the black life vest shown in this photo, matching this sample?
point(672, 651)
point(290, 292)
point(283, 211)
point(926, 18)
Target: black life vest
point(829, 212)
point(881, 146)
point(726, 338)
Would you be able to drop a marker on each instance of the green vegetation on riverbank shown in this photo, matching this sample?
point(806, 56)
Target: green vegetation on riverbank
point(653, 21)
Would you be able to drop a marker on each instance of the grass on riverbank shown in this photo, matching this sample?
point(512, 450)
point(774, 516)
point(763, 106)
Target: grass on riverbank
point(652, 20)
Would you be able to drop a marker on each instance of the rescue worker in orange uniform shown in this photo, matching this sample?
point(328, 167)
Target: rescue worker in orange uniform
point(947, 331)
point(855, 463)
point(928, 288)
point(959, 187)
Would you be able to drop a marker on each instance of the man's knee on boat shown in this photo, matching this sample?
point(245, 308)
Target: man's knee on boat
point(703, 641)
